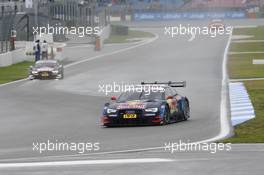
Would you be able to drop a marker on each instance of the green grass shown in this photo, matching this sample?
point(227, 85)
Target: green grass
point(125, 38)
point(14, 72)
point(240, 66)
point(247, 47)
point(253, 130)
point(258, 32)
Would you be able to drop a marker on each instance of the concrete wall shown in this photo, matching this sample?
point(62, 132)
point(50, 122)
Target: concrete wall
point(6, 59)
point(19, 55)
point(16, 56)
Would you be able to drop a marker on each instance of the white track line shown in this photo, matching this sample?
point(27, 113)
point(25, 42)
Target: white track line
point(225, 128)
point(248, 41)
point(246, 79)
point(112, 53)
point(13, 82)
point(83, 162)
point(249, 26)
point(241, 53)
point(112, 44)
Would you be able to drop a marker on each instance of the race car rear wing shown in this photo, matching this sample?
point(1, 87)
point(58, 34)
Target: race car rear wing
point(170, 83)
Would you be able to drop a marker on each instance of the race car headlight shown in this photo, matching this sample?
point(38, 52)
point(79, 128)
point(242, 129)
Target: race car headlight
point(111, 111)
point(34, 72)
point(151, 110)
point(55, 71)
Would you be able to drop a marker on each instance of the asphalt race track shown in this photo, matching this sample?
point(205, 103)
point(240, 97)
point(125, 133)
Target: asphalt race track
point(69, 110)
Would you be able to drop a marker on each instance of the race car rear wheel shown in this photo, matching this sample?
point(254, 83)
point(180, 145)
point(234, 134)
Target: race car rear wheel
point(186, 112)
point(62, 76)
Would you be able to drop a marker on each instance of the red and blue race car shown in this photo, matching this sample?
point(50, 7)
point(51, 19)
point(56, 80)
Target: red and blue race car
point(160, 105)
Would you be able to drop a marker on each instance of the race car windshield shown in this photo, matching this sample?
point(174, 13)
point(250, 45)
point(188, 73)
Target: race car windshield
point(52, 65)
point(132, 96)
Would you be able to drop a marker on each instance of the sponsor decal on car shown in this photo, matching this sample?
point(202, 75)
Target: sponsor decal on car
point(45, 69)
point(132, 105)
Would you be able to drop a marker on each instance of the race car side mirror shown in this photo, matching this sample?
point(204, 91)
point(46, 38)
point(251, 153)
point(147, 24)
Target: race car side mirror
point(169, 97)
point(113, 98)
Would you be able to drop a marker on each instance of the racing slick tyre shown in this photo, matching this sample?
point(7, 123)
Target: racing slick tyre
point(62, 76)
point(186, 112)
point(166, 117)
point(31, 78)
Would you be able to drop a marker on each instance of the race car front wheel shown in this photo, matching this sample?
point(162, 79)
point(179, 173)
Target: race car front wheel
point(166, 117)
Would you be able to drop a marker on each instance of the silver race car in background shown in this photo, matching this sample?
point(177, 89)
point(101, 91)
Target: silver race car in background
point(46, 69)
